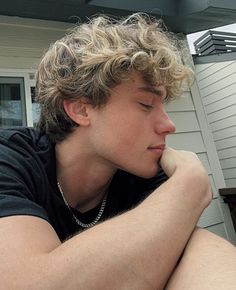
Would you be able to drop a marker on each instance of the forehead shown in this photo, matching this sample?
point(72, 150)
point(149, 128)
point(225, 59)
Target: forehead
point(136, 84)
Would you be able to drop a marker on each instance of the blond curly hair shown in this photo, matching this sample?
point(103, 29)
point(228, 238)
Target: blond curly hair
point(96, 56)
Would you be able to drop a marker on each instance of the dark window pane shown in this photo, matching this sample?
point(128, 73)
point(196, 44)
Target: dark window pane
point(11, 102)
point(35, 107)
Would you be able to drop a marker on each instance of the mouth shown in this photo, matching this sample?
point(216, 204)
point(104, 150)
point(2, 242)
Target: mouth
point(157, 149)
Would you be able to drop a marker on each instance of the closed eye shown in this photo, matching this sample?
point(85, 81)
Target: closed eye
point(147, 107)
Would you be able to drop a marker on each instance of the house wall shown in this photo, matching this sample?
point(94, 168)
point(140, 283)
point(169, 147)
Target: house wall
point(193, 134)
point(23, 41)
point(217, 85)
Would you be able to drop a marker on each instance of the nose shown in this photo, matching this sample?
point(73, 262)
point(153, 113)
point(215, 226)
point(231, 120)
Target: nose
point(164, 125)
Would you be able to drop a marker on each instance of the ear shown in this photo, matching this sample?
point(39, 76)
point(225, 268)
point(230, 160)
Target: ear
point(77, 111)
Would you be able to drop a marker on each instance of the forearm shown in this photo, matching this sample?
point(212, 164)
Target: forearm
point(138, 249)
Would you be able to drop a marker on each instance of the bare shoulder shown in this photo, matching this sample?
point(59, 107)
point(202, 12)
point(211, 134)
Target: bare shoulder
point(29, 232)
point(24, 242)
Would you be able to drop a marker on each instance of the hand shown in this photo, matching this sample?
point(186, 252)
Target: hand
point(172, 160)
point(188, 170)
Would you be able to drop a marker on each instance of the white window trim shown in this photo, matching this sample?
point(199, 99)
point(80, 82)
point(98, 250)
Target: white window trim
point(25, 74)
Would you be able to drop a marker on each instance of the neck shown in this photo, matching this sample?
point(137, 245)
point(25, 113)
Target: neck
point(83, 178)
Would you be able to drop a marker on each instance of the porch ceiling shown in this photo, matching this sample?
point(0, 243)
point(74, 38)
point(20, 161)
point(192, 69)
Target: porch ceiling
point(185, 16)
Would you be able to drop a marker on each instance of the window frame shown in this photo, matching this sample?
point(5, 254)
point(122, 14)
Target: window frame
point(29, 81)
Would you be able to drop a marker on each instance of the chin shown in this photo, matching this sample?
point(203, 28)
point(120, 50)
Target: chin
point(148, 173)
point(143, 172)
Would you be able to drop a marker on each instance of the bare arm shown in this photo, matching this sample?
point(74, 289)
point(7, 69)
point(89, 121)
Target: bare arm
point(136, 250)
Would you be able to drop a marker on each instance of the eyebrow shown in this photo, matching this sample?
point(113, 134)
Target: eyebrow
point(152, 90)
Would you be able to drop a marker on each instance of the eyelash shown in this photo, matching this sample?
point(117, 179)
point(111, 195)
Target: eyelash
point(147, 107)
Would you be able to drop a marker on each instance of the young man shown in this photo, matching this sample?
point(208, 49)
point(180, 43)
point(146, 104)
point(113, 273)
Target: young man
point(94, 163)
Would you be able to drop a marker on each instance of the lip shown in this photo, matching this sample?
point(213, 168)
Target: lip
point(157, 149)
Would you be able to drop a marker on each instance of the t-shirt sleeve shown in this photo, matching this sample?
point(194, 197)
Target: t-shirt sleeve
point(20, 183)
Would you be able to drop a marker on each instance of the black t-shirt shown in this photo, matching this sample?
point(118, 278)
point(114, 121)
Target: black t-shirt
point(28, 184)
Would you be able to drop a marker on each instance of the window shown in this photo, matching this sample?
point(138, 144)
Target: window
point(17, 98)
point(12, 102)
point(35, 107)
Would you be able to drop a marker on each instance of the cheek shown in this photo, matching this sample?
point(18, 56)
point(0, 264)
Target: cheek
point(121, 128)
point(121, 138)
point(130, 138)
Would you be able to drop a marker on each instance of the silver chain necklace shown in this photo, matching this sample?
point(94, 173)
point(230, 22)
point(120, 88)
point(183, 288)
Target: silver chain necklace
point(75, 218)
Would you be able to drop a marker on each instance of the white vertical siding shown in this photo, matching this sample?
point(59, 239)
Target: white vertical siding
point(217, 84)
point(192, 133)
